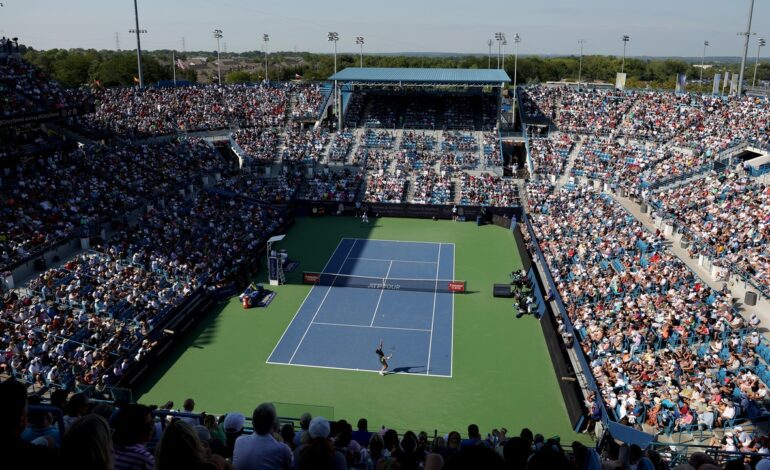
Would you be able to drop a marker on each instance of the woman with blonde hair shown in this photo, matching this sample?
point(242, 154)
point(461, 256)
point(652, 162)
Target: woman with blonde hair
point(88, 445)
point(180, 447)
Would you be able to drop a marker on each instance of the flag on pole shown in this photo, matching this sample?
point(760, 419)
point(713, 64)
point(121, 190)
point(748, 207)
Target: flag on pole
point(180, 63)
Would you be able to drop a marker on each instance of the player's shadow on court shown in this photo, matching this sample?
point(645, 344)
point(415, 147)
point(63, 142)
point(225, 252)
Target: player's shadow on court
point(408, 369)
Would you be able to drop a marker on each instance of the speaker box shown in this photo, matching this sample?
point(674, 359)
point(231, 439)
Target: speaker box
point(502, 290)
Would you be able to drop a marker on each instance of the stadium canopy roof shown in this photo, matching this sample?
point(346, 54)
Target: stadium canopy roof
point(421, 77)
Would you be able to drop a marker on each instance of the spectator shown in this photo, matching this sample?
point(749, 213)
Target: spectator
point(362, 434)
point(16, 452)
point(260, 450)
point(304, 423)
point(88, 445)
point(233, 429)
point(319, 453)
point(180, 447)
point(134, 427)
point(76, 407)
point(474, 437)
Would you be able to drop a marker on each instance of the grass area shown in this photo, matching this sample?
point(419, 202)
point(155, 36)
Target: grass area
point(502, 372)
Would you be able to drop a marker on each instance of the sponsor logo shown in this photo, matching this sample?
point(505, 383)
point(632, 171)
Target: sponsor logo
point(379, 285)
point(456, 286)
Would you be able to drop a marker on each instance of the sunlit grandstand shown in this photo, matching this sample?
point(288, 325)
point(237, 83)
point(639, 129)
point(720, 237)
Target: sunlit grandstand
point(480, 266)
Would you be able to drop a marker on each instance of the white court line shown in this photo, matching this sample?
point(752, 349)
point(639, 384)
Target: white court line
point(305, 300)
point(395, 241)
point(319, 306)
point(364, 326)
point(395, 260)
point(411, 374)
point(433, 315)
point(452, 333)
point(382, 291)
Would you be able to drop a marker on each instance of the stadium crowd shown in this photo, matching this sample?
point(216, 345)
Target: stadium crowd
point(79, 433)
point(88, 186)
point(726, 215)
point(666, 351)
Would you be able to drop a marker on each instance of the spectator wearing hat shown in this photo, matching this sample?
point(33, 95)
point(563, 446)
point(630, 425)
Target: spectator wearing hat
point(319, 452)
point(260, 450)
point(232, 428)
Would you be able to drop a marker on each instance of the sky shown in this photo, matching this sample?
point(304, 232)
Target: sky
point(655, 27)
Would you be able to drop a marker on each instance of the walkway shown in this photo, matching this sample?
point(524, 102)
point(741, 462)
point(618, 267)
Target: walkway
point(564, 178)
point(737, 286)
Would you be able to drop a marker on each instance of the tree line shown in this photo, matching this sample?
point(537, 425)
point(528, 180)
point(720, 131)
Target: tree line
point(75, 67)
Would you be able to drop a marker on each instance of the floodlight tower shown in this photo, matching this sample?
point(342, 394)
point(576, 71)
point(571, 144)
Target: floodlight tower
point(580, 64)
point(360, 42)
point(499, 38)
point(489, 58)
point(333, 36)
point(626, 38)
point(138, 45)
point(747, 34)
point(505, 43)
point(760, 45)
point(266, 39)
point(218, 36)
point(703, 60)
point(516, 41)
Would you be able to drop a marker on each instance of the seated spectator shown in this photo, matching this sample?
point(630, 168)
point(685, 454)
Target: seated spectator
point(88, 444)
point(180, 447)
point(16, 452)
point(319, 452)
point(134, 427)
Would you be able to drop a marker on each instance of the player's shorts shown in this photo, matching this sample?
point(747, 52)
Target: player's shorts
point(382, 359)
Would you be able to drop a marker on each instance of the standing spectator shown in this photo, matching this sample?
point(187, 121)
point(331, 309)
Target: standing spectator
point(260, 450)
point(188, 407)
point(88, 445)
point(134, 427)
point(362, 434)
point(474, 437)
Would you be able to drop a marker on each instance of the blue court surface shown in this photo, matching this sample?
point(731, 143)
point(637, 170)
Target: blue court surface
point(340, 327)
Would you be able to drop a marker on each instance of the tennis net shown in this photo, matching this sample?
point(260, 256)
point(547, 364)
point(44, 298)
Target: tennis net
point(384, 283)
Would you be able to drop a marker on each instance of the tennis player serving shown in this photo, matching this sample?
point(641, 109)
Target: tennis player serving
point(383, 359)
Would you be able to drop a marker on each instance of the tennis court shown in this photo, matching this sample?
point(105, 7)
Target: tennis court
point(399, 292)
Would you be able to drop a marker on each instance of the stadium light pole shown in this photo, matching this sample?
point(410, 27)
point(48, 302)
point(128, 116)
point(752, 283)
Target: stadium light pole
point(499, 39)
point(626, 38)
point(138, 45)
point(505, 43)
point(580, 64)
point(747, 34)
point(703, 60)
point(360, 42)
point(760, 45)
point(516, 41)
point(218, 36)
point(489, 58)
point(266, 39)
point(333, 36)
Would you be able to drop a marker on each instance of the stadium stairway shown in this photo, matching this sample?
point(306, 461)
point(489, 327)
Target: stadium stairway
point(738, 287)
point(564, 178)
